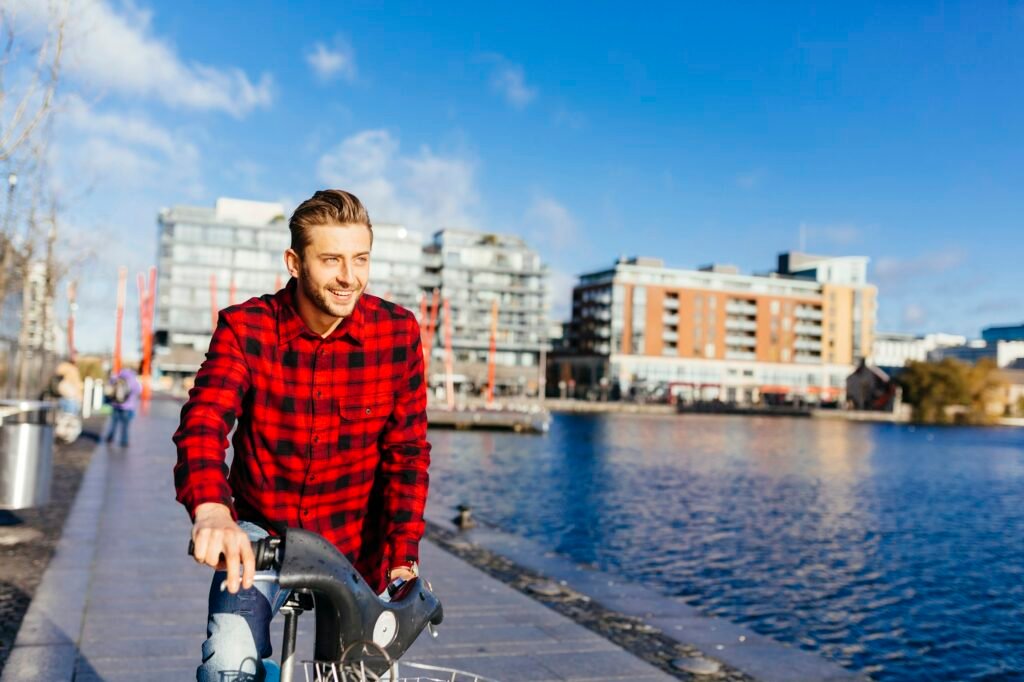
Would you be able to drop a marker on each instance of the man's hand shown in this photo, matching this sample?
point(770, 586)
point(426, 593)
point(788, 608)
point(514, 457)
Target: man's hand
point(403, 572)
point(216, 534)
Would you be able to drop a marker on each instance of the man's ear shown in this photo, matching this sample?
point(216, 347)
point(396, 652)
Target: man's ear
point(293, 262)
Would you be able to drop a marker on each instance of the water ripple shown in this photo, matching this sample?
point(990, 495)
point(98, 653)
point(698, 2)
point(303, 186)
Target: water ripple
point(898, 552)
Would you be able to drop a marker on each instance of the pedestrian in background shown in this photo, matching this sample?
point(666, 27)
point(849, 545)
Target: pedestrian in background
point(123, 394)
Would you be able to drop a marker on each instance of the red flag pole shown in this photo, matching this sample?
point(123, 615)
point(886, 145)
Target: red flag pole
point(122, 294)
point(449, 378)
point(492, 353)
point(213, 303)
point(147, 298)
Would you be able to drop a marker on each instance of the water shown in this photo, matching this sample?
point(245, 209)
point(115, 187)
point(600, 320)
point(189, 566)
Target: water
point(894, 550)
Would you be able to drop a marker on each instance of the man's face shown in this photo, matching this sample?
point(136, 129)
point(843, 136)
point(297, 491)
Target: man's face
point(335, 268)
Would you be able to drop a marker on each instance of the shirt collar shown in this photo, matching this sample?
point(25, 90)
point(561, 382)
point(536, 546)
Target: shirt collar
point(290, 325)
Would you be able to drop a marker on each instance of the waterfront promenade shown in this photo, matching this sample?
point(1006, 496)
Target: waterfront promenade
point(122, 601)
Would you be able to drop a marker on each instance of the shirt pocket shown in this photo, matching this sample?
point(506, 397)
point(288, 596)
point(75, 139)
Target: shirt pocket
point(367, 408)
point(363, 419)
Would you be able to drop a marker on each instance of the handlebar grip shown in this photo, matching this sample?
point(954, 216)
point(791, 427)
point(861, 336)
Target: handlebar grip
point(264, 549)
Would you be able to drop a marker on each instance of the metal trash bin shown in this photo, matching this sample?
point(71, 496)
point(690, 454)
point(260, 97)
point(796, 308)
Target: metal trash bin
point(26, 453)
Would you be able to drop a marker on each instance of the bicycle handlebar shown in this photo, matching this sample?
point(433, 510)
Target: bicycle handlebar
point(347, 610)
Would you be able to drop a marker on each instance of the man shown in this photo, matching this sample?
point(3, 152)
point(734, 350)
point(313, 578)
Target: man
point(125, 398)
point(326, 384)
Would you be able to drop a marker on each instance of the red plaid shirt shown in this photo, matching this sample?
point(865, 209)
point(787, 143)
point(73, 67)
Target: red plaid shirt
point(331, 431)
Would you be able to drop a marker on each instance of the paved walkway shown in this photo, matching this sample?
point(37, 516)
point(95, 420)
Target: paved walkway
point(122, 601)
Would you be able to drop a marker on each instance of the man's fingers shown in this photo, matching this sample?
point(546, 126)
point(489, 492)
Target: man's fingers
point(202, 540)
point(232, 558)
point(248, 562)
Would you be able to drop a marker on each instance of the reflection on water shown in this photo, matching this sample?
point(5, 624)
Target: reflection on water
point(894, 550)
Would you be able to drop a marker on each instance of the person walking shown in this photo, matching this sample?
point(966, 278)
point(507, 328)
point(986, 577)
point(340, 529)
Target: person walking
point(123, 393)
point(326, 386)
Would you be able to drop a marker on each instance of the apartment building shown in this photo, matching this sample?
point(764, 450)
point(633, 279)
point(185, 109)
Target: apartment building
point(892, 351)
point(714, 333)
point(208, 259)
point(238, 246)
point(473, 270)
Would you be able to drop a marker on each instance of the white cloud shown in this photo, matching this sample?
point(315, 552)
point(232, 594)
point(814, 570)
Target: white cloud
point(560, 284)
point(569, 118)
point(117, 150)
point(117, 52)
point(551, 224)
point(750, 179)
point(509, 81)
point(329, 62)
point(837, 234)
point(893, 270)
point(914, 315)
point(425, 191)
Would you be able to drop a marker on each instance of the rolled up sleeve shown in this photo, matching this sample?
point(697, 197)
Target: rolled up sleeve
point(405, 457)
point(200, 473)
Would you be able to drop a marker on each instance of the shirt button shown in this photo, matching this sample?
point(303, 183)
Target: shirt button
point(316, 439)
point(311, 479)
point(305, 512)
point(319, 394)
point(368, 410)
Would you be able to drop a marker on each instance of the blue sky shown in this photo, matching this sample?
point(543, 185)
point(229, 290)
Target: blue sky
point(695, 133)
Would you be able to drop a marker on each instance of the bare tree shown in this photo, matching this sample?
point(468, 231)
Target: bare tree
point(30, 67)
point(22, 111)
point(26, 102)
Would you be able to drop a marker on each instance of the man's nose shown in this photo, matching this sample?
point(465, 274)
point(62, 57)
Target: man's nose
point(343, 273)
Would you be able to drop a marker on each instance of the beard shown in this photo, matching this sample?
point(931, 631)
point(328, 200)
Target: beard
point(321, 298)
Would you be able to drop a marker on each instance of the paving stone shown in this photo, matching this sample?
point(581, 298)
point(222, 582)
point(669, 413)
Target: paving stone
point(38, 663)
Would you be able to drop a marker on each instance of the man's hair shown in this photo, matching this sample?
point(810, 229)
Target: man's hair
point(326, 207)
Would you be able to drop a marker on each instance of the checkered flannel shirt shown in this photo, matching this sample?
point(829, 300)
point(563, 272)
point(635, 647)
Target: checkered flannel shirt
point(331, 431)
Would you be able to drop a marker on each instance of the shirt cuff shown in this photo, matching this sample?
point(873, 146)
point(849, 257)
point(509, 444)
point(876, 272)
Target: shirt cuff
point(404, 552)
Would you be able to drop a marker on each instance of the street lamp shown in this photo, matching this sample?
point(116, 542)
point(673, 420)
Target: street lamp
point(12, 181)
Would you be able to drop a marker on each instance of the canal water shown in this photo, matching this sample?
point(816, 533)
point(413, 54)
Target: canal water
point(894, 550)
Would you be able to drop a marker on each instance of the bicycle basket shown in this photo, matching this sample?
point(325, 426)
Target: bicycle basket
point(319, 671)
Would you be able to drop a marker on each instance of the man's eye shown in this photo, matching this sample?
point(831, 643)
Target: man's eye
point(331, 261)
point(362, 260)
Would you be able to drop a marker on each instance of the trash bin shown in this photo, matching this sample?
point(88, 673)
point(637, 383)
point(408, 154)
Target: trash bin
point(26, 453)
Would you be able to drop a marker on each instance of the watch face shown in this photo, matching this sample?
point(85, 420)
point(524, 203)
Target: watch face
point(385, 629)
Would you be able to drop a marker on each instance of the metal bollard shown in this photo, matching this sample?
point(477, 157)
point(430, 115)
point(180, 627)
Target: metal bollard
point(26, 453)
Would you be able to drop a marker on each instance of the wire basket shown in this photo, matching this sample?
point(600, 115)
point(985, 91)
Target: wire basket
point(319, 671)
point(353, 669)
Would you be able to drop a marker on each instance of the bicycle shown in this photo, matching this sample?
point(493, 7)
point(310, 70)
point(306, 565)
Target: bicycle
point(359, 636)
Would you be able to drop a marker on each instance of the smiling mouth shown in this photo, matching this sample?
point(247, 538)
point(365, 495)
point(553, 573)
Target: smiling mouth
point(345, 295)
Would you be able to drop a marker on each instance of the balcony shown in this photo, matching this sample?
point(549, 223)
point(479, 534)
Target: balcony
point(807, 329)
point(808, 314)
point(739, 355)
point(807, 359)
point(807, 344)
point(668, 318)
point(741, 308)
point(671, 303)
point(740, 324)
point(669, 336)
point(747, 341)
